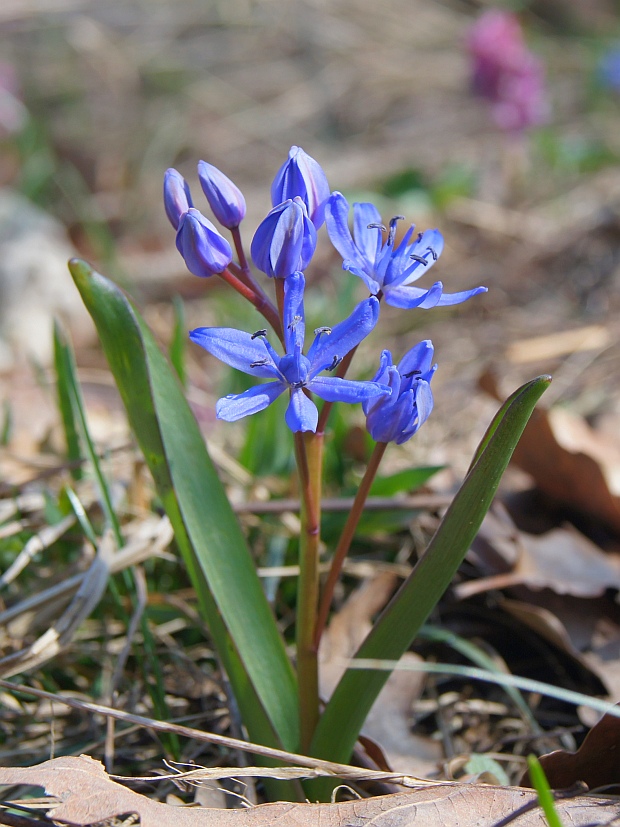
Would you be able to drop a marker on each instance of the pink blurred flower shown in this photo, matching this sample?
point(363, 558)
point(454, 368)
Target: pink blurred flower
point(506, 73)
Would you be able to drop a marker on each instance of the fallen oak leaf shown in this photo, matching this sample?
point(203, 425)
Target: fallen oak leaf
point(85, 795)
point(596, 762)
point(572, 463)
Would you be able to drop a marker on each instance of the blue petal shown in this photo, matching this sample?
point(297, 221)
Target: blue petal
point(337, 223)
point(285, 240)
point(238, 349)
point(334, 389)
point(428, 247)
point(385, 376)
point(372, 285)
point(419, 358)
point(409, 297)
point(236, 406)
point(204, 248)
point(367, 240)
point(300, 175)
point(423, 408)
point(224, 197)
point(344, 337)
point(457, 298)
point(302, 413)
point(294, 315)
point(177, 197)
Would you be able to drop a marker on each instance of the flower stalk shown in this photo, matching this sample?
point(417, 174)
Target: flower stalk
point(259, 300)
point(309, 455)
point(346, 538)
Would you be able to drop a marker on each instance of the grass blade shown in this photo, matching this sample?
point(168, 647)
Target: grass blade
point(67, 369)
point(64, 381)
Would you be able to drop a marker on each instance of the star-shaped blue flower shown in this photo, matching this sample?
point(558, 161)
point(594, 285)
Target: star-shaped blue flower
point(383, 267)
point(299, 374)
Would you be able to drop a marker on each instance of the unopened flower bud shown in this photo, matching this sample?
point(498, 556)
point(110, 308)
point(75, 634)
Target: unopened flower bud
point(285, 240)
point(177, 197)
point(204, 248)
point(302, 176)
point(225, 198)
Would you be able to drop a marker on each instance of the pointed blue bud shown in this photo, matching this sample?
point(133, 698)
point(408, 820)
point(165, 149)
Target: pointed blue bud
point(204, 248)
point(285, 240)
point(302, 176)
point(225, 198)
point(177, 197)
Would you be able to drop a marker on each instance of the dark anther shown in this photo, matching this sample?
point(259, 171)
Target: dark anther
point(421, 259)
point(419, 238)
point(294, 323)
point(319, 330)
point(297, 385)
point(336, 361)
point(432, 252)
point(381, 227)
point(259, 334)
point(259, 362)
point(412, 373)
point(393, 224)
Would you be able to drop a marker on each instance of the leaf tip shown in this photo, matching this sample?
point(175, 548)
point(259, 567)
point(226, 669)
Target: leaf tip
point(79, 268)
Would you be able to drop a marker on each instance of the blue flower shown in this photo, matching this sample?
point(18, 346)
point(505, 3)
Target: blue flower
point(397, 417)
point(177, 197)
point(204, 248)
point(299, 374)
point(285, 240)
point(300, 175)
point(384, 268)
point(225, 198)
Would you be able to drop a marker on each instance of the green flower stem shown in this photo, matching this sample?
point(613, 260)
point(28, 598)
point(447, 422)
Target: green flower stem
point(309, 453)
point(259, 300)
point(346, 538)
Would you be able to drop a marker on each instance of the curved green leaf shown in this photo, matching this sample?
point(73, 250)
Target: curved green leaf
point(206, 529)
point(401, 620)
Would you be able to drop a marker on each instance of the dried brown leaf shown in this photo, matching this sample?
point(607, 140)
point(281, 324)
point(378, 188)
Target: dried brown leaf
point(596, 762)
point(572, 463)
point(84, 794)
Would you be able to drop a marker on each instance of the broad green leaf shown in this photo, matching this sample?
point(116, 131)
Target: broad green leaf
point(178, 344)
point(400, 622)
point(206, 529)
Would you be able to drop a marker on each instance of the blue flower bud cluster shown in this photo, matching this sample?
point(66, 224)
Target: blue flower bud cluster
point(398, 400)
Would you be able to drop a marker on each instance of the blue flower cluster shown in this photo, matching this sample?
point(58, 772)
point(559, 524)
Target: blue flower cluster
point(399, 399)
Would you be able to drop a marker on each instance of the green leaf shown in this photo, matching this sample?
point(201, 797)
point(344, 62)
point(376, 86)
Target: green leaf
point(66, 367)
point(64, 381)
point(407, 480)
point(179, 340)
point(400, 622)
point(206, 529)
point(543, 791)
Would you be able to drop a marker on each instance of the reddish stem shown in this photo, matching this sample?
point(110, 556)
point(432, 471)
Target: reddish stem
point(346, 538)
